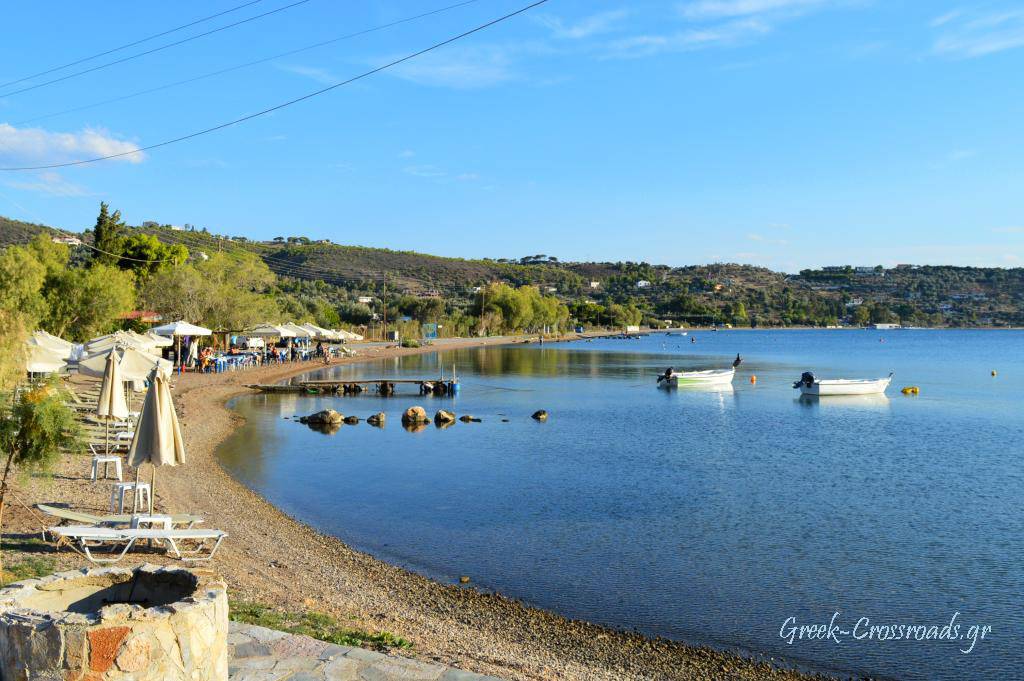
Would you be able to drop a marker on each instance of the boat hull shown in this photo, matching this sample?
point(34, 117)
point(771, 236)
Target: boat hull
point(844, 387)
point(688, 379)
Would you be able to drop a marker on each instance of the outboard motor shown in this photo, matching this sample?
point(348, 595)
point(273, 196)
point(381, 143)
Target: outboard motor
point(806, 378)
point(738, 361)
point(665, 376)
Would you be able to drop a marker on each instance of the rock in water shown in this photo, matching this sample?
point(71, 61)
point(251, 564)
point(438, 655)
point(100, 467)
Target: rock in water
point(377, 419)
point(325, 416)
point(414, 415)
point(467, 418)
point(352, 420)
point(540, 415)
point(443, 416)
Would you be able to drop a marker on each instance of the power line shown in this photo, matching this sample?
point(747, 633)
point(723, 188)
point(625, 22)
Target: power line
point(290, 102)
point(131, 44)
point(256, 62)
point(151, 51)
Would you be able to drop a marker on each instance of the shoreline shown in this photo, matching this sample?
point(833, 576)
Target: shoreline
point(275, 559)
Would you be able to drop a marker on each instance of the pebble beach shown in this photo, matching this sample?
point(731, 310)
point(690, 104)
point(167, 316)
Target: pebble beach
point(276, 560)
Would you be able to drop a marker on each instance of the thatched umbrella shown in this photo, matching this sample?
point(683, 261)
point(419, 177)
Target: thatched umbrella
point(112, 405)
point(158, 438)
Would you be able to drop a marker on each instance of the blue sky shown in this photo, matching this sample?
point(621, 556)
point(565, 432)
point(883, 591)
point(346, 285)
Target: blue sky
point(786, 133)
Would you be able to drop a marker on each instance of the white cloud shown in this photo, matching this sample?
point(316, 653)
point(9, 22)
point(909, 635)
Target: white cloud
point(760, 238)
point(406, 153)
point(965, 36)
point(463, 68)
point(729, 33)
point(727, 9)
point(1008, 230)
point(468, 177)
point(427, 171)
point(943, 19)
point(322, 76)
point(48, 182)
point(584, 28)
point(36, 146)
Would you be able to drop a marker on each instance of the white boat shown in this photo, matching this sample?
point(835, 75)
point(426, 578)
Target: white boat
point(711, 377)
point(809, 385)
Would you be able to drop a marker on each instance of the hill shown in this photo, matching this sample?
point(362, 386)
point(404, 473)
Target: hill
point(697, 294)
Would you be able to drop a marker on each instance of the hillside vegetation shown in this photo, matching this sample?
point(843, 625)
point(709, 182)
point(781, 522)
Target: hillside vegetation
point(325, 274)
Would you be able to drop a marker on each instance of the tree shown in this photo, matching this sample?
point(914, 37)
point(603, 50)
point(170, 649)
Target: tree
point(146, 254)
point(108, 237)
point(223, 292)
point(35, 426)
point(862, 315)
point(22, 275)
point(84, 303)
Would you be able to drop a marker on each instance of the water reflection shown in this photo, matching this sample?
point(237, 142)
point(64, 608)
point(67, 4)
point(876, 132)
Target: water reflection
point(706, 516)
point(880, 401)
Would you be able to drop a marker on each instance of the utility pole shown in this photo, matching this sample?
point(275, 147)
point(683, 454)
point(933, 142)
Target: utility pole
point(384, 307)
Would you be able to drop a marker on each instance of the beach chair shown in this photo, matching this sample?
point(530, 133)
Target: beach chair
point(70, 515)
point(90, 537)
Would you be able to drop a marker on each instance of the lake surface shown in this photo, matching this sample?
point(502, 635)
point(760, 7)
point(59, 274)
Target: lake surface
point(709, 517)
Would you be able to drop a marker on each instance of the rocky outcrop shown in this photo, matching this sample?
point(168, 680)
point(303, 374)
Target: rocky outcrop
point(377, 419)
point(467, 418)
point(325, 417)
point(540, 415)
point(352, 420)
point(444, 417)
point(414, 415)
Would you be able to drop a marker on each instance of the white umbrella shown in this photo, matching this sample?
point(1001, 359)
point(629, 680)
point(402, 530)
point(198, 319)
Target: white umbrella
point(297, 331)
point(158, 340)
point(270, 331)
point(348, 335)
point(135, 365)
point(320, 332)
point(122, 338)
point(177, 330)
point(181, 328)
point(43, 360)
point(65, 349)
point(158, 439)
point(111, 405)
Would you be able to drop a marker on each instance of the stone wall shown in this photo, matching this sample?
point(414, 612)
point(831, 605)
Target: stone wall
point(56, 628)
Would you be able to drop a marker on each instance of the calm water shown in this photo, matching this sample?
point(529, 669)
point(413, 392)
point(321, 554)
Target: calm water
point(709, 517)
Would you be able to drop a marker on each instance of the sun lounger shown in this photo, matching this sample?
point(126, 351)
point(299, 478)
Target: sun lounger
point(89, 537)
point(84, 518)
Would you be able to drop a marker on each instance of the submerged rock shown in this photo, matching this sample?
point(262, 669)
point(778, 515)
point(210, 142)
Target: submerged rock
point(540, 415)
point(352, 420)
point(415, 415)
point(467, 418)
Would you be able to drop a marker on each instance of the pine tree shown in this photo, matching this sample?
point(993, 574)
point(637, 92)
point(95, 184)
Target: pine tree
point(108, 237)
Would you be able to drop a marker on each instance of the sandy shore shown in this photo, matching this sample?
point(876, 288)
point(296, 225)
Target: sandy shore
point(274, 559)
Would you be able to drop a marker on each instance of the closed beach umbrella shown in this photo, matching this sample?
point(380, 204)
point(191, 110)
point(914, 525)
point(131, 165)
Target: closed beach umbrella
point(157, 438)
point(111, 405)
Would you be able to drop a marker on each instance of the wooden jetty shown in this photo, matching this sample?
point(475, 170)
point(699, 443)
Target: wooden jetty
point(381, 386)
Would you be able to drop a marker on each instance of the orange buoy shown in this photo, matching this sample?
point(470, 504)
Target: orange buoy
point(753, 379)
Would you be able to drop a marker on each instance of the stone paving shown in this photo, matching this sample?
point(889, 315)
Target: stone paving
point(258, 654)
